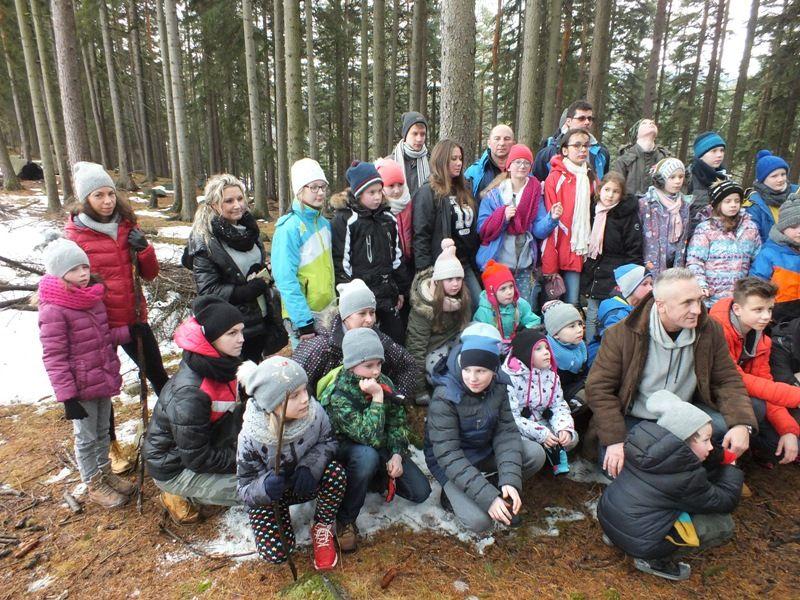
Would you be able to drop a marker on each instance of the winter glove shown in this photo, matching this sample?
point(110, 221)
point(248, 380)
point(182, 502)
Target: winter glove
point(249, 291)
point(274, 485)
point(138, 330)
point(137, 240)
point(304, 482)
point(307, 329)
point(73, 410)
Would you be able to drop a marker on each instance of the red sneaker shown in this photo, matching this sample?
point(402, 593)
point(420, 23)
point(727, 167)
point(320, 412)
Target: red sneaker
point(325, 556)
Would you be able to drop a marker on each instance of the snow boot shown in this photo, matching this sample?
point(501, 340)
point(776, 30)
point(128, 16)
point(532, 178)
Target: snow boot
point(102, 494)
point(325, 555)
point(123, 486)
point(120, 463)
point(181, 511)
point(347, 535)
point(664, 567)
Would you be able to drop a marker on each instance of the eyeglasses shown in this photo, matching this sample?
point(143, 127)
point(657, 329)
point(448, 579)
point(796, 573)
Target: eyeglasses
point(582, 118)
point(579, 146)
point(521, 163)
point(316, 189)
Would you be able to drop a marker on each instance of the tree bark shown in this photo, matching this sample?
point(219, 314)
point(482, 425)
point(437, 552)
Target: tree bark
point(257, 142)
point(342, 94)
point(271, 190)
point(90, 68)
point(141, 97)
point(295, 133)
point(39, 114)
point(664, 45)
point(188, 186)
point(551, 80)
point(690, 104)
point(562, 61)
point(417, 65)
point(652, 66)
point(712, 107)
point(280, 107)
point(393, 52)
point(529, 130)
point(380, 144)
point(741, 84)
point(457, 119)
point(174, 163)
point(498, 20)
point(705, 115)
point(597, 72)
point(311, 82)
point(10, 181)
point(22, 127)
point(364, 86)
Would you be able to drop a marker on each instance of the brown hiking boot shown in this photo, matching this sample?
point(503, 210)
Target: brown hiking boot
point(347, 535)
point(120, 462)
point(181, 511)
point(746, 492)
point(103, 494)
point(123, 486)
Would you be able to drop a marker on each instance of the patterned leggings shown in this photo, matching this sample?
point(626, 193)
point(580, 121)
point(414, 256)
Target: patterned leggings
point(329, 494)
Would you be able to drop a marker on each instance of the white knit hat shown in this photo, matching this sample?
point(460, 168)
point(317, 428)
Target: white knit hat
point(681, 419)
point(447, 264)
point(88, 177)
point(304, 171)
point(62, 255)
point(353, 297)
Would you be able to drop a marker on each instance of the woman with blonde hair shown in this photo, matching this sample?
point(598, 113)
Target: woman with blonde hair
point(228, 260)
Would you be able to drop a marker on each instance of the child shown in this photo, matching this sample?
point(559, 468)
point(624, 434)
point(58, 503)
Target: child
point(770, 190)
point(664, 499)
point(79, 354)
point(724, 245)
point(744, 317)
point(565, 334)
point(664, 212)
point(302, 263)
point(371, 429)
point(616, 239)
point(570, 182)
point(440, 309)
point(706, 169)
point(366, 245)
point(472, 445)
point(537, 401)
point(307, 470)
point(779, 261)
point(500, 303)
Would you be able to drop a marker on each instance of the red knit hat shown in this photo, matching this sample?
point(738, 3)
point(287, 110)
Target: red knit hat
point(390, 171)
point(519, 151)
point(494, 275)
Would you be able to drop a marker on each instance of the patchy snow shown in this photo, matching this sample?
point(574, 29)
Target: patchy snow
point(126, 432)
point(556, 515)
point(178, 231)
point(40, 584)
point(23, 358)
point(60, 476)
point(584, 471)
point(79, 491)
point(168, 253)
point(591, 507)
point(151, 213)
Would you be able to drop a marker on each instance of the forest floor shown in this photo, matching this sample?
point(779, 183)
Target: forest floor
point(557, 553)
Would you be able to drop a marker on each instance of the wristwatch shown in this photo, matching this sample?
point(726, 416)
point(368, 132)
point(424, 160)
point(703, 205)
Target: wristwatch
point(749, 429)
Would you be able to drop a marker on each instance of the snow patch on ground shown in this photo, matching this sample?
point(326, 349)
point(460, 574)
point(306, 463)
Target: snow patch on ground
point(25, 380)
point(584, 471)
point(151, 213)
point(556, 515)
point(168, 253)
point(60, 476)
point(40, 584)
point(178, 231)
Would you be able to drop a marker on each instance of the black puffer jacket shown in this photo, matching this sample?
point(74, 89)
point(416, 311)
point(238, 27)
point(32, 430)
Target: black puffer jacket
point(622, 244)
point(366, 246)
point(784, 358)
point(661, 478)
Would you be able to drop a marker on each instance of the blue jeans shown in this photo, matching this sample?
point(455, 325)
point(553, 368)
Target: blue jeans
point(529, 286)
point(365, 464)
point(719, 428)
point(572, 281)
point(473, 284)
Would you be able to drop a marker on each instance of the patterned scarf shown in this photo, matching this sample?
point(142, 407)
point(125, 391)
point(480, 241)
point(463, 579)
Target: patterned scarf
point(673, 205)
point(581, 223)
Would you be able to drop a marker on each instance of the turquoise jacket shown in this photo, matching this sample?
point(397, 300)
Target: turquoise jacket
point(521, 315)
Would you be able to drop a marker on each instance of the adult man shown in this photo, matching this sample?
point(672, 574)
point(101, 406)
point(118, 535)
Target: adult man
point(411, 152)
point(638, 158)
point(667, 342)
point(492, 162)
point(579, 115)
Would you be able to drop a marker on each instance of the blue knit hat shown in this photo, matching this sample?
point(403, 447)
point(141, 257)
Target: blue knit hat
point(629, 277)
point(766, 163)
point(480, 346)
point(361, 175)
point(707, 141)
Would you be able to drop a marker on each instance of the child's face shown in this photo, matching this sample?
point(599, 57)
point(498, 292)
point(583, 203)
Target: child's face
point(313, 194)
point(476, 379)
point(369, 369)
point(610, 194)
point(730, 205)
point(714, 157)
point(372, 197)
point(571, 334)
point(641, 290)
point(452, 286)
point(393, 192)
point(674, 182)
point(793, 233)
point(297, 406)
point(78, 276)
point(777, 180)
point(541, 355)
point(700, 442)
point(577, 150)
point(755, 312)
point(505, 294)
point(363, 318)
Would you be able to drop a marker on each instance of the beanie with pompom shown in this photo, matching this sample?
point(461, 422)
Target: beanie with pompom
point(766, 163)
point(447, 264)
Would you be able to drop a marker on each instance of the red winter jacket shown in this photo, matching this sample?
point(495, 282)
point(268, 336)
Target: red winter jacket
point(111, 260)
point(757, 375)
point(560, 186)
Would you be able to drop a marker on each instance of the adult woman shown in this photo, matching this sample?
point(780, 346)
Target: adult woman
point(228, 260)
point(444, 208)
point(770, 191)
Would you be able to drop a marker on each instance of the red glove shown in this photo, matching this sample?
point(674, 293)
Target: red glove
point(390, 490)
point(728, 457)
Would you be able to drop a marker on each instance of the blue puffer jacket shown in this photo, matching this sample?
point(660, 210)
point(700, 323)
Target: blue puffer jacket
point(481, 173)
point(761, 213)
point(610, 312)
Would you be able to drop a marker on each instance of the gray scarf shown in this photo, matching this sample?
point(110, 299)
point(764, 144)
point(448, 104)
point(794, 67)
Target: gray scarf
point(256, 424)
point(777, 236)
point(403, 150)
point(110, 229)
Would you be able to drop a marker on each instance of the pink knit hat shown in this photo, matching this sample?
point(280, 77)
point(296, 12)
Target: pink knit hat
point(447, 265)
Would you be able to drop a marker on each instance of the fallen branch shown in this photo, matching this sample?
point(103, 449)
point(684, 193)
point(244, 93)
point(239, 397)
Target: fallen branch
point(20, 303)
point(17, 287)
point(26, 548)
point(23, 267)
point(788, 540)
point(73, 504)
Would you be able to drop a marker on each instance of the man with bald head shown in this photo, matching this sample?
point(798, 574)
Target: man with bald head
point(492, 162)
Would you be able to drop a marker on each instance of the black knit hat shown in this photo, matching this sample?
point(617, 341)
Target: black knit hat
point(722, 189)
point(410, 119)
point(215, 315)
point(523, 344)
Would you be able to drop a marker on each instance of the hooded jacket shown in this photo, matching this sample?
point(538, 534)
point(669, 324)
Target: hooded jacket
point(614, 378)
point(622, 244)
point(464, 429)
point(779, 261)
point(509, 317)
point(760, 212)
point(634, 163)
point(196, 420)
point(655, 229)
point(599, 158)
point(481, 173)
point(662, 478)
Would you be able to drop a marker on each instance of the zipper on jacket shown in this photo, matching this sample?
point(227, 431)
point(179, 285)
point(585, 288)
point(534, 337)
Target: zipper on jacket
point(369, 248)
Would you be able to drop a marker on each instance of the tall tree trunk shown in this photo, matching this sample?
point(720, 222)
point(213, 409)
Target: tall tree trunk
point(342, 94)
point(712, 107)
point(271, 190)
point(174, 163)
point(664, 45)
point(417, 64)
point(295, 133)
point(583, 59)
point(690, 104)
point(562, 61)
point(188, 185)
point(22, 122)
point(529, 130)
point(741, 84)
point(311, 83)
point(457, 120)
point(280, 107)
point(380, 143)
point(600, 39)
point(389, 131)
point(652, 67)
point(141, 97)
point(257, 142)
point(39, 114)
point(90, 68)
point(124, 180)
point(549, 96)
point(10, 181)
point(498, 21)
point(705, 115)
point(364, 87)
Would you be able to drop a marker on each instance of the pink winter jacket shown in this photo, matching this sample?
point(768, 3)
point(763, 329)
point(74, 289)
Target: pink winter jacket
point(79, 348)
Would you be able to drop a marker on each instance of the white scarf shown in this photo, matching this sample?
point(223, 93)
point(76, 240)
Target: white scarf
point(581, 222)
point(423, 170)
point(398, 205)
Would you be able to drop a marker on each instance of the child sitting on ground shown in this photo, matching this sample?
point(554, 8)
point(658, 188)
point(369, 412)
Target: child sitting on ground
point(664, 499)
point(371, 430)
point(281, 413)
point(79, 354)
point(564, 327)
point(537, 401)
point(500, 303)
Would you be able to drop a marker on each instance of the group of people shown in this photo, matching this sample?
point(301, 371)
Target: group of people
point(528, 302)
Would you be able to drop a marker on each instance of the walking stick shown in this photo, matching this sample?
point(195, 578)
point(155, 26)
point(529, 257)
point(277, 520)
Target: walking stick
point(137, 290)
point(276, 503)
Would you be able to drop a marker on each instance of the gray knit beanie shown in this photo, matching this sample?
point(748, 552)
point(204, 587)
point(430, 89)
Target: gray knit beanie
point(88, 177)
point(270, 382)
point(62, 255)
point(360, 345)
point(789, 214)
point(559, 315)
point(353, 297)
point(681, 419)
